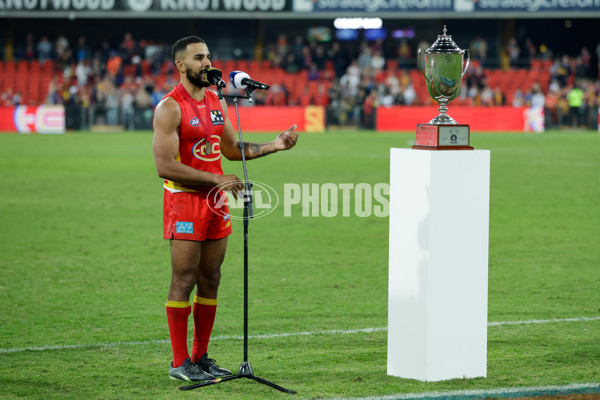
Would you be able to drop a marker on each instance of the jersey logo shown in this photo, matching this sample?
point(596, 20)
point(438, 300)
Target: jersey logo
point(195, 121)
point(213, 153)
point(217, 117)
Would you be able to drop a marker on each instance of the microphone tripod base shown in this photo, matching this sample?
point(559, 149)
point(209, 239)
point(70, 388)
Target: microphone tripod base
point(245, 371)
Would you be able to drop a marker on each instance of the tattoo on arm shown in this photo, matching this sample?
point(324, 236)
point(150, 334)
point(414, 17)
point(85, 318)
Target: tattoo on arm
point(254, 150)
point(255, 147)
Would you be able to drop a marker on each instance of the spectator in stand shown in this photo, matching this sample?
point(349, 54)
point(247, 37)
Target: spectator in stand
point(28, 52)
point(378, 61)
point(463, 95)
point(479, 49)
point(127, 103)
point(276, 95)
point(306, 58)
point(404, 55)
point(409, 94)
point(313, 73)
point(551, 109)
point(114, 63)
point(513, 51)
point(305, 98)
point(499, 98)
point(127, 48)
point(44, 50)
point(83, 52)
point(319, 57)
point(290, 66)
point(17, 99)
point(350, 80)
point(158, 93)
point(260, 98)
point(477, 77)
point(53, 96)
point(282, 47)
point(563, 107)
point(565, 70)
point(143, 98)
point(598, 58)
point(392, 82)
point(518, 98)
point(423, 45)
point(586, 60)
point(474, 96)
point(384, 96)
point(545, 52)
point(369, 105)
point(529, 53)
point(590, 97)
point(61, 45)
point(113, 95)
point(487, 96)
point(338, 58)
point(581, 69)
point(6, 99)
point(321, 98)
point(364, 57)
point(82, 72)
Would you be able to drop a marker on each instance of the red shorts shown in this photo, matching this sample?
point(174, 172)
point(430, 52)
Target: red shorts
point(196, 216)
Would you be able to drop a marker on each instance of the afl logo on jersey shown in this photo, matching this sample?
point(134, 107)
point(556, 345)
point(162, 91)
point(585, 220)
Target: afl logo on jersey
point(195, 121)
point(213, 154)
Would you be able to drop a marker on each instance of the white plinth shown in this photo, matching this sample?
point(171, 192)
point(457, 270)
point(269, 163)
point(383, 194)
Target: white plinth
point(438, 264)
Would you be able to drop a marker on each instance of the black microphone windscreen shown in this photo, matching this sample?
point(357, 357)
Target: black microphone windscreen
point(212, 74)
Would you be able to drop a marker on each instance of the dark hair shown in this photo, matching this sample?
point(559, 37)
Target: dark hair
point(181, 45)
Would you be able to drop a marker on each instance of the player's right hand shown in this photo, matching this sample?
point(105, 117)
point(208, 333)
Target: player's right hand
point(231, 183)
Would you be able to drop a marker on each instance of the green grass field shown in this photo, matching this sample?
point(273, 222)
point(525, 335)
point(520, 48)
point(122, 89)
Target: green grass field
point(84, 271)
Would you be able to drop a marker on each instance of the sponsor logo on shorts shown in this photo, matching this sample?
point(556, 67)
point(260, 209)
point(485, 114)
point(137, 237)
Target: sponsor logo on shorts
point(226, 217)
point(184, 227)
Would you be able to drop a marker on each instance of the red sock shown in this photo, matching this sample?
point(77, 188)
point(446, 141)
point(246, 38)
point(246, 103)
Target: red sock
point(204, 319)
point(177, 318)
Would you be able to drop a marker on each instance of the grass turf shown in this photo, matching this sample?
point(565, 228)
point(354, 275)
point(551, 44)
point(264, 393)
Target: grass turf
point(83, 263)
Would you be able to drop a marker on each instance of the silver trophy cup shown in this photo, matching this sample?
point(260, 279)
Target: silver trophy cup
point(443, 70)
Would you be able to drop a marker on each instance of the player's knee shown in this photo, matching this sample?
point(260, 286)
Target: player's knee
point(212, 279)
point(184, 282)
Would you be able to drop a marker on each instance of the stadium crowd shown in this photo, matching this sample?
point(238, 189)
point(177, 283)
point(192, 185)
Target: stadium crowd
point(109, 82)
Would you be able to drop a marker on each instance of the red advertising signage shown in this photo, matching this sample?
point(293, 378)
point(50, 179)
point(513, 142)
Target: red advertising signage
point(33, 119)
point(482, 119)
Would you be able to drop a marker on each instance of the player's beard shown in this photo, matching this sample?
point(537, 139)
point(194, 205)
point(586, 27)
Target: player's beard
point(196, 79)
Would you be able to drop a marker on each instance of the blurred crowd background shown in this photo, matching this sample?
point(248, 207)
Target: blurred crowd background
point(110, 82)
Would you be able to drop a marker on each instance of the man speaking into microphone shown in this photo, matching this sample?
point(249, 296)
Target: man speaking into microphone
point(191, 132)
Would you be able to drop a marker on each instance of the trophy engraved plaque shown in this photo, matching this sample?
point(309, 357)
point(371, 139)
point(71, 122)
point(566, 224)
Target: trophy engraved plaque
point(443, 70)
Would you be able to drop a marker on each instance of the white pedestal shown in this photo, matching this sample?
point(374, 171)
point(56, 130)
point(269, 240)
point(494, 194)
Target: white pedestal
point(438, 264)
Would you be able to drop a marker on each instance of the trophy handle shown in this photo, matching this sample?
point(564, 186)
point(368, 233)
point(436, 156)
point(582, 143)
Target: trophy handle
point(420, 53)
point(468, 54)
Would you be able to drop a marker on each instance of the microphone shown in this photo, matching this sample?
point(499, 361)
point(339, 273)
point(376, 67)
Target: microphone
point(241, 80)
point(213, 75)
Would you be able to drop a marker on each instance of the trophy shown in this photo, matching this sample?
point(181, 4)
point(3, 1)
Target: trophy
point(443, 71)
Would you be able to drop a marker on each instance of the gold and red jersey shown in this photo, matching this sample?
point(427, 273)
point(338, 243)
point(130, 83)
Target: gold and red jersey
point(200, 130)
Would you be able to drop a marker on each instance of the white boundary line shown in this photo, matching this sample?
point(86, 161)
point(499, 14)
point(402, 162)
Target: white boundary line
point(484, 393)
point(278, 335)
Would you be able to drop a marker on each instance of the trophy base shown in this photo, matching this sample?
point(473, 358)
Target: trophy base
point(443, 137)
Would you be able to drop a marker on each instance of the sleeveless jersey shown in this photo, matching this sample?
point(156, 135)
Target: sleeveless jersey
point(194, 130)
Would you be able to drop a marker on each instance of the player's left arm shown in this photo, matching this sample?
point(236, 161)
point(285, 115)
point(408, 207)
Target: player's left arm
point(230, 146)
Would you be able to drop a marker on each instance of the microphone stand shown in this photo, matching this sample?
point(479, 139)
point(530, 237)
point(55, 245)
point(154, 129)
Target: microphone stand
point(245, 370)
